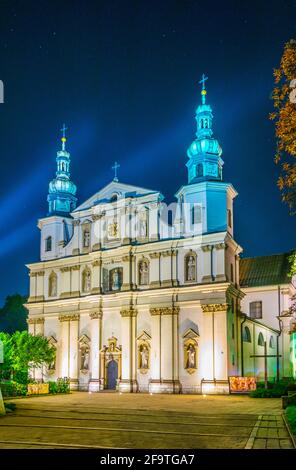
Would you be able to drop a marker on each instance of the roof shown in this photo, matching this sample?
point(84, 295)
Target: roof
point(265, 270)
point(123, 190)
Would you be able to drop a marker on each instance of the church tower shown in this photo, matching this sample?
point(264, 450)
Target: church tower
point(205, 162)
point(206, 202)
point(61, 196)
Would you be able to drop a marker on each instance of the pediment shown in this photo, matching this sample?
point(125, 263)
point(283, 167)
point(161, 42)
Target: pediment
point(122, 190)
point(52, 340)
point(144, 336)
point(190, 334)
point(84, 339)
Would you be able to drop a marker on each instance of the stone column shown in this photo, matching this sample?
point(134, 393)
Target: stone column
point(36, 327)
point(40, 286)
point(65, 342)
point(220, 262)
point(128, 382)
point(65, 282)
point(73, 350)
point(75, 280)
point(155, 269)
point(96, 277)
point(214, 356)
point(33, 286)
point(95, 326)
point(165, 370)
point(166, 269)
point(69, 346)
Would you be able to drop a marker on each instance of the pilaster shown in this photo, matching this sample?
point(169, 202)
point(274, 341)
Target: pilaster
point(128, 382)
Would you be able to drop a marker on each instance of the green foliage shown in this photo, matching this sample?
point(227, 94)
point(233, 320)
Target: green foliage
point(13, 389)
point(274, 390)
point(23, 351)
point(13, 315)
point(10, 406)
point(291, 418)
point(62, 385)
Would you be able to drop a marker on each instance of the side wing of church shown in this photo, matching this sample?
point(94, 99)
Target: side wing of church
point(134, 303)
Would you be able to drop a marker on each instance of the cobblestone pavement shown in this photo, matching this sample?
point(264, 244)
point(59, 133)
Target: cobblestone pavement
point(270, 432)
point(110, 420)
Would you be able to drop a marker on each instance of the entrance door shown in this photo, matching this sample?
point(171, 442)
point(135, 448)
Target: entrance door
point(112, 375)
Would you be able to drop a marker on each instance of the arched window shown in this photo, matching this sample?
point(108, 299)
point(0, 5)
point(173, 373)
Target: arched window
point(86, 280)
point(48, 244)
point(114, 197)
point(260, 339)
point(199, 169)
point(143, 270)
point(115, 279)
point(190, 267)
point(52, 284)
point(271, 342)
point(247, 335)
point(196, 214)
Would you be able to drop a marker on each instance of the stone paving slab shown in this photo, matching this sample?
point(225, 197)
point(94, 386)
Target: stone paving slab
point(270, 432)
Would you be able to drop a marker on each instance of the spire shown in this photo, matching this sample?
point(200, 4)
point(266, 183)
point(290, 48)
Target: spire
point(203, 90)
point(63, 139)
point(61, 196)
point(204, 153)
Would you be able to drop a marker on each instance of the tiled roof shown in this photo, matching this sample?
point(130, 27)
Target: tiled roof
point(265, 270)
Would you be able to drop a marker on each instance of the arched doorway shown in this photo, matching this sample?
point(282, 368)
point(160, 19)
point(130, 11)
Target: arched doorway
point(112, 374)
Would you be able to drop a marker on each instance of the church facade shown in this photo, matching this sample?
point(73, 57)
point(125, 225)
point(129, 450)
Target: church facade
point(135, 303)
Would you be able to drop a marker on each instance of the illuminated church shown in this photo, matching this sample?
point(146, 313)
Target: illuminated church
point(135, 303)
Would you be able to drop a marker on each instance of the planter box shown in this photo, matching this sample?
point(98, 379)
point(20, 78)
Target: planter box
point(38, 389)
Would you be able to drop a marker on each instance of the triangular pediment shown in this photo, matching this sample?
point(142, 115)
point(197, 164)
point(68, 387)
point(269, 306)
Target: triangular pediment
point(190, 334)
point(115, 188)
point(84, 339)
point(144, 336)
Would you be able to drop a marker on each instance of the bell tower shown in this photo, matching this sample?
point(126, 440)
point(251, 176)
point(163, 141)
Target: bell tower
point(205, 162)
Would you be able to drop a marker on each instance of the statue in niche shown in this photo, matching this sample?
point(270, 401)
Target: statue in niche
point(53, 284)
point(115, 280)
point(191, 268)
point(190, 357)
point(86, 281)
point(143, 273)
point(86, 238)
point(52, 365)
point(84, 359)
point(144, 357)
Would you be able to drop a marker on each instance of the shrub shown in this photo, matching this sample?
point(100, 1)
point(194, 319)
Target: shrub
point(291, 418)
point(62, 385)
point(13, 389)
point(274, 390)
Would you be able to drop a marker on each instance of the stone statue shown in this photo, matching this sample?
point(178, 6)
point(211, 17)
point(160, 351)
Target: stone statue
point(53, 284)
point(86, 238)
point(190, 268)
point(115, 280)
point(84, 359)
point(144, 357)
point(87, 281)
point(190, 360)
point(144, 272)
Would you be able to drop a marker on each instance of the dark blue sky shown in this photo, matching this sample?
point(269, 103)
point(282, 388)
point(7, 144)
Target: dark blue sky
point(124, 77)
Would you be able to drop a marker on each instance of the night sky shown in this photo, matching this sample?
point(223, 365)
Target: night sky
point(123, 76)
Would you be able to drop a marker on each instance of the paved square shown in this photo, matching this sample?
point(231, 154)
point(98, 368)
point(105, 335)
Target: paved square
point(111, 420)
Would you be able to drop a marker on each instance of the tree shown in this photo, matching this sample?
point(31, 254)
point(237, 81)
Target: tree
point(22, 352)
point(284, 117)
point(13, 315)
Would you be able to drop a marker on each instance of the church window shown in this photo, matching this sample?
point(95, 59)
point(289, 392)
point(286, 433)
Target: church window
point(52, 285)
point(48, 244)
point(260, 339)
point(86, 280)
point(143, 270)
point(114, 197)
point(190, 267)
point(232, 330)
point(256, 309)
point(199, 170)
point(271, 342)
point(196, 212)
point(247, 335)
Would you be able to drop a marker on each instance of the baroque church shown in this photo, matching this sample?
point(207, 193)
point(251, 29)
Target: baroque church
point(134, 303)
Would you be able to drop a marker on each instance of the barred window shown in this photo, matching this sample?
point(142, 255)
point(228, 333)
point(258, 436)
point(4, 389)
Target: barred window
point(256, 309)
